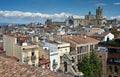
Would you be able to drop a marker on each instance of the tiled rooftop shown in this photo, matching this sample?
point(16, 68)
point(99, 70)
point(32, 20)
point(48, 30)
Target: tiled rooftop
point(79, 40)
point(44, 61)
point(9, 68)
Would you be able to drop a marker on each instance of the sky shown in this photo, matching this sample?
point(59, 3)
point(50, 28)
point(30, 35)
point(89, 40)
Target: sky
point(26, 11)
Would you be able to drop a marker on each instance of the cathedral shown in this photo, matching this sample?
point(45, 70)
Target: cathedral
point(90, 19)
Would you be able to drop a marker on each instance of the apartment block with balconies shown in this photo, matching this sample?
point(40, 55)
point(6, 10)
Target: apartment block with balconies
point(20, 47)
point(112, 67)
point(80, 45)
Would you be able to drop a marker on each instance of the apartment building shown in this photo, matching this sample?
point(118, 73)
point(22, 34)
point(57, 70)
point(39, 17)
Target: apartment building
point(20, 47)
point(80, 45)
point(112, 60)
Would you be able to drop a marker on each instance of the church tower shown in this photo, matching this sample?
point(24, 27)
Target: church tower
point(99, 13)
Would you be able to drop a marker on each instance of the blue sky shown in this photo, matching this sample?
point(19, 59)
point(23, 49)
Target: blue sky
point(25, 11)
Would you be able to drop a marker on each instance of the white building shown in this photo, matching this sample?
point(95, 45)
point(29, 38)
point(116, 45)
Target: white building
point(56, 51)
point(103, 36)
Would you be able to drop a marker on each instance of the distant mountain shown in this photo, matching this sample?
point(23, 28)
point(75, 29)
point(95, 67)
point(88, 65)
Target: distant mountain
point(3, 24)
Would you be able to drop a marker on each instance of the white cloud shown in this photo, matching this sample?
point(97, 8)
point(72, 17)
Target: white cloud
point(104, 16)
point(101, 4)
point(117, 3)
point(31, 14)
point(115, 17)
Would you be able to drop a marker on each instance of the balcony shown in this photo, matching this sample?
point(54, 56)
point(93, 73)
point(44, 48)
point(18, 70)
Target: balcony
point(113, 61)
point(26, 59)
point(33, 57)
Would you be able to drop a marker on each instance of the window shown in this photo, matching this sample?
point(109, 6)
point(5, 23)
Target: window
point(116, 69)
point(33, 64)
point(118, 50)
point(33, 53)
point(54, 65)
point(100, 56)
point(110, 60)
point(109, 76)
point(108, 39)
point(117, 60)
point(91, 47)
point(110, 68)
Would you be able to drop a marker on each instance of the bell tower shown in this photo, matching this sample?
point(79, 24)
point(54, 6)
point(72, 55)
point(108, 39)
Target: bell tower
point(99, 13)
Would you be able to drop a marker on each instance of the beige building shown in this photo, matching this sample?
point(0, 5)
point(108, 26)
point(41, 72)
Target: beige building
point(80, 46)
point(24, 51)
point(63, 48)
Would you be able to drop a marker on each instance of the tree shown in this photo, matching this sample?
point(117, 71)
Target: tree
point(85, 67)
point(90, 65)
point(95, 63)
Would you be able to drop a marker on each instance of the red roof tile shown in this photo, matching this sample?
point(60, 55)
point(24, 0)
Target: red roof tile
point(87, 39)
point(79, 40)
point(44, 61)
point(11, 58)
point(68, 39)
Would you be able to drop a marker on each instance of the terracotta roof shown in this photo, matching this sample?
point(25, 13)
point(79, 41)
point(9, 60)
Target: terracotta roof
point(9, 68)
point(79, 40)
point(68, 39)
point(100, 35)
point(11, 58)
point(44, 61)
point(87, 39)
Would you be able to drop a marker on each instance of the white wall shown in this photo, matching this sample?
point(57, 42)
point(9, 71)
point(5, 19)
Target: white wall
point(110, 36)
point(53, 56)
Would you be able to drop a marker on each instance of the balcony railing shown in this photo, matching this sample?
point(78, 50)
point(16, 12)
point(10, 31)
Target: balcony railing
point(33, 57)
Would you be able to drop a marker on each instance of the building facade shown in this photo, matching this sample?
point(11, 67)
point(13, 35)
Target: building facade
point(17, 47)
point(80, 46)
point(113, 62)
point(109, 53)
point(56, 50)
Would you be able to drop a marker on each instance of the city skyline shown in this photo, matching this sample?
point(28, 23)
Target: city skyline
point(25, 11)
